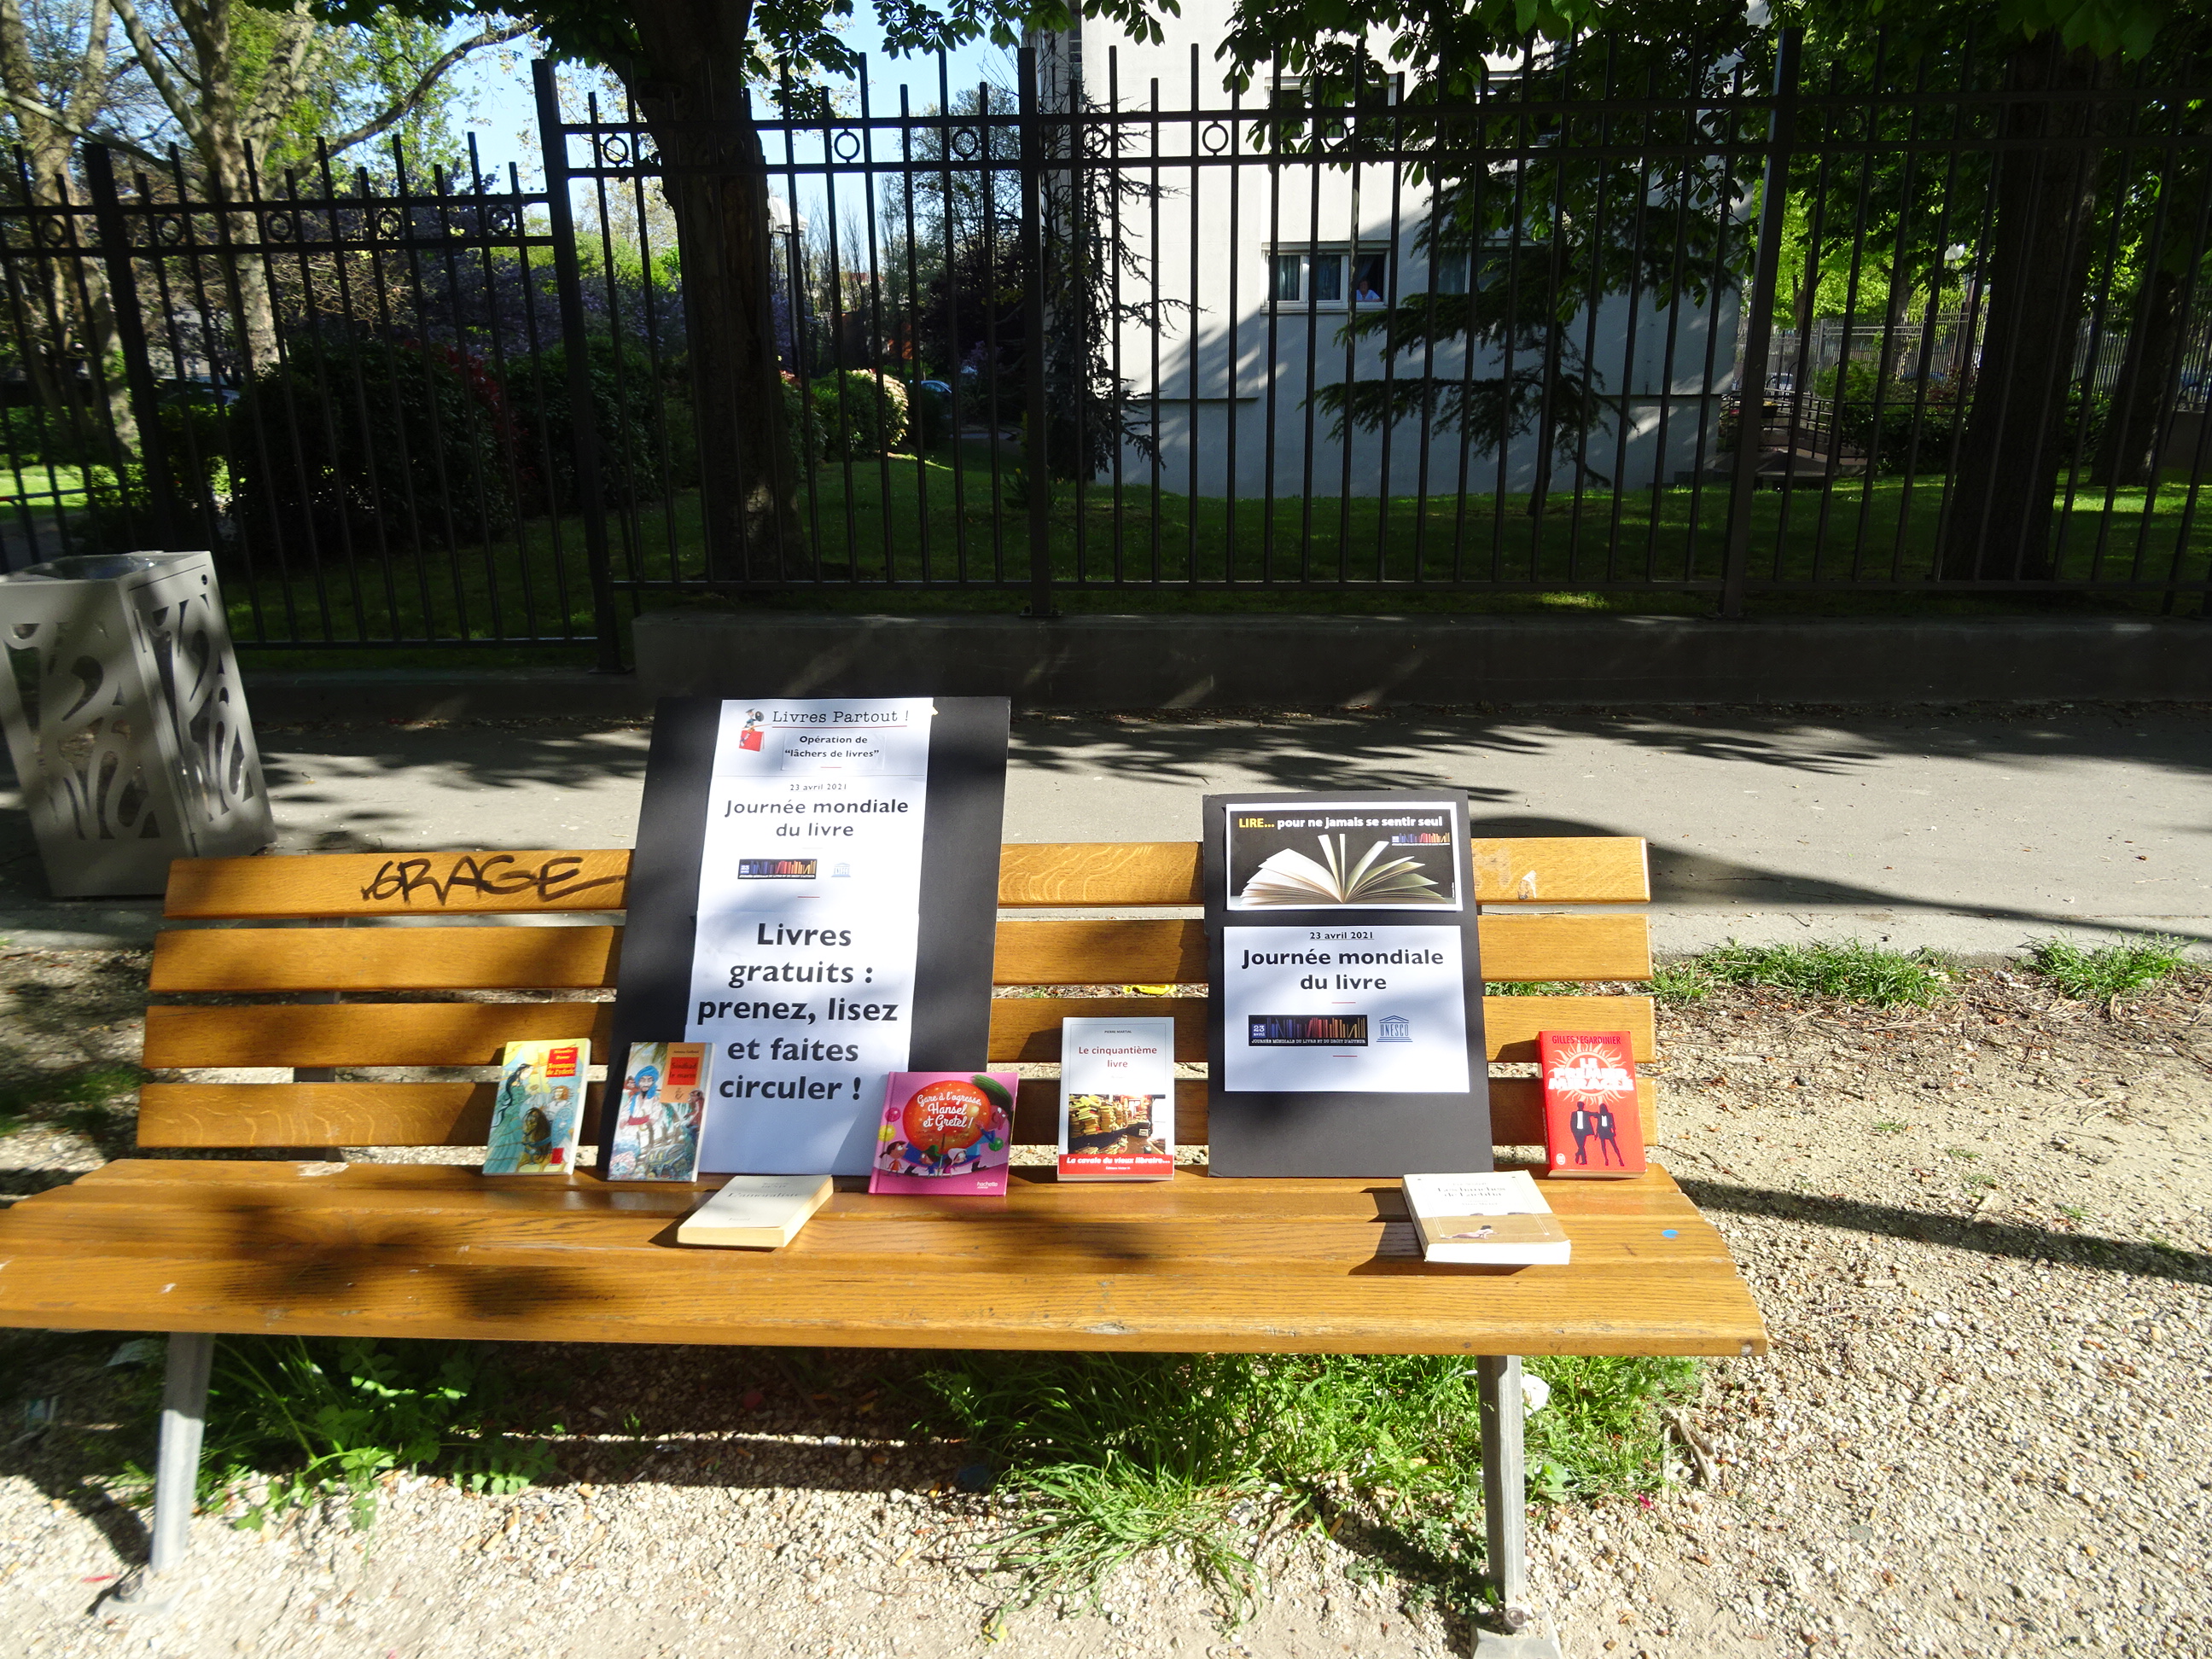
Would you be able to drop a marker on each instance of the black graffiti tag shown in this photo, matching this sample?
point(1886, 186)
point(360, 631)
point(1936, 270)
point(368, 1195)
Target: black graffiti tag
point(557, 877)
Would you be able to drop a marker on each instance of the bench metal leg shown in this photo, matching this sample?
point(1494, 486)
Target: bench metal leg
point(1504, 1494)
point(176, 1474)
point(183, 1421)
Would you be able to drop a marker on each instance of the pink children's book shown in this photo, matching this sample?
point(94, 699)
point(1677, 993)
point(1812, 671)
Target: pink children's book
point(944, 1133)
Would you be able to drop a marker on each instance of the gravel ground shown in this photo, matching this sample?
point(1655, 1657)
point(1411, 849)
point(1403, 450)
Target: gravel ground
point(1979, 1232)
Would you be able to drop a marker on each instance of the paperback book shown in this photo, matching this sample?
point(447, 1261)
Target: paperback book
point(756, 1211)
point(662, 1109)
point(1116, 1099)
point(945, 1133)
point(540, 1108)
point(1497, 1219)
point(1592, 1128)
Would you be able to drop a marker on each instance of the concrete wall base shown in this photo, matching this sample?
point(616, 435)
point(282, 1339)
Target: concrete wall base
point(1213, 661)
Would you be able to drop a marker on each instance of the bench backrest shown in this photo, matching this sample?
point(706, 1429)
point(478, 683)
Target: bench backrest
point(361, 973)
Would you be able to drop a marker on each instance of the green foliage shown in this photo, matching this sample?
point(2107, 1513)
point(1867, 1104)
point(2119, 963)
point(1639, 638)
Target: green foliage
point(1683, 980)
point(2087, 972)
point(1851, 971)
point(1111, 1457)
point(1877, 417)
point(325, 1416)
point(1533, 987)
point(370, 444)
point(859, 412)
point(643, 422)
point(79, 1100)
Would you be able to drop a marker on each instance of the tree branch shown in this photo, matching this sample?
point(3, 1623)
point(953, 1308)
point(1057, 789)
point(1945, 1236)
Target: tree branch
point(88, 135)
point(184, 109)
point(491, 36)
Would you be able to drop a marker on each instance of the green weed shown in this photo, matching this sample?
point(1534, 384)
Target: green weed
point(326, 1416)
point(78, 1100)
point(1890, 1126)
point(1533, 988)
point(2087, 973)
point(1959, 1154)
point(1851, 971)
point(1684, 981)
point(1110, 1458)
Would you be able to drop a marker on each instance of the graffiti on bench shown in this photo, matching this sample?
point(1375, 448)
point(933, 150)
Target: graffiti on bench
point(561, 876)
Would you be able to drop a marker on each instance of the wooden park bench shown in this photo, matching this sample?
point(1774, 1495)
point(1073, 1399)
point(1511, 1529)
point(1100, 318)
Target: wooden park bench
point(195, 1247)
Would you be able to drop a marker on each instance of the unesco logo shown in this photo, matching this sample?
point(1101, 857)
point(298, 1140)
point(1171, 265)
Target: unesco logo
point(1395, 1027)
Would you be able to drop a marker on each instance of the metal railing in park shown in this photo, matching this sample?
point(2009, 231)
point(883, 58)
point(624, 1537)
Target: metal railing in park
point(1116, 332)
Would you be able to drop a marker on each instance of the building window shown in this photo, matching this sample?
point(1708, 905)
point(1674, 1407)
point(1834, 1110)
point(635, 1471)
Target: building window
point(1326, 278)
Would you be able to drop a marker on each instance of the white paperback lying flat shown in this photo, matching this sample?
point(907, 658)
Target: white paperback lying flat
point(1497, 1219)
point(763, 1212)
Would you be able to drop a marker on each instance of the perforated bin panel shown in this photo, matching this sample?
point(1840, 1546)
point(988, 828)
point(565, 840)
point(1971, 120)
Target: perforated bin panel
point(126, 720)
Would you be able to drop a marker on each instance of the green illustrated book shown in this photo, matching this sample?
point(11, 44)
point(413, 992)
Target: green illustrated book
point(539, 1109)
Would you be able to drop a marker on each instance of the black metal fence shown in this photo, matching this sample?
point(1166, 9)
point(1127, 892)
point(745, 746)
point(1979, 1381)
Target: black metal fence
point(1118, 332)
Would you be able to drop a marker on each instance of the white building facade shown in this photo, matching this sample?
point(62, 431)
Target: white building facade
point(1251, 268)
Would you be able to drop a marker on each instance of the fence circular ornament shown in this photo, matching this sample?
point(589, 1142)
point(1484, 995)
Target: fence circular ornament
point(1214, 137)
point(614, 150)
point(54, 231)
point(170, 230)
point(967, 144)
point(283, 227)
point(845, 145)
point(500, 219)
point(390, 224)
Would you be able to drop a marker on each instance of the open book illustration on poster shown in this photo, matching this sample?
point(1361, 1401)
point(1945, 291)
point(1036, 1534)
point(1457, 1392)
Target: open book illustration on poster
point(1356, 855)
point(1291, 877)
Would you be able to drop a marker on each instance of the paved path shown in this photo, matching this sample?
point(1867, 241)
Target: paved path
point(1970, 831)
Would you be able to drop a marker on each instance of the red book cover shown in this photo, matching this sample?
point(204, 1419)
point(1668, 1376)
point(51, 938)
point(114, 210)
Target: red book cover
point(1591, 1125)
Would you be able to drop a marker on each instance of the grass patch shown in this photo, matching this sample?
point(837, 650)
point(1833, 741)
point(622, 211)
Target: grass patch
point(2091, 972)
point(1890, 1126)
point(1683, 980)
point(1109, 1458)
point(320, 1417)
point(1532, 987)
point(80, 1100)
point(1850, 971)
point(945, 533)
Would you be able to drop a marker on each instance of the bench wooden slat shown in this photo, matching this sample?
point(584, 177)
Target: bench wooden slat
point(258, 1183)
point(1027, 1029)
point(397, 884)
point(474, 1033)
point(326, 1113)
point(1545, 870)
point(401, 1232)
point(566, 1265)
point(1671, 1309)
point(1137, 952)
point(180, 1115)
point(274, 959)
point(1084, 950)
point(366, 1033)
point(1542, 870)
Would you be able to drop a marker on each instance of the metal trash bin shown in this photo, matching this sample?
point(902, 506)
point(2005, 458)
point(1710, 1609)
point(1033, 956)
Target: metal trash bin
point(126, 720)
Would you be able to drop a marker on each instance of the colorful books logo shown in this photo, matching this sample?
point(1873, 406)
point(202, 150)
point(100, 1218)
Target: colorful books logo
point(1307, 1031)
point(777, 869)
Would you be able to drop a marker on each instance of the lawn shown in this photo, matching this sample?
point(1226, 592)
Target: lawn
point(921, 534)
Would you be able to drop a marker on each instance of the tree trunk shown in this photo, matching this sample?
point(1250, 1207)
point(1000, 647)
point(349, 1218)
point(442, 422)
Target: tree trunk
point(691, 89)
point(224, 158)
point(2015, 439)
point(2128, 453)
